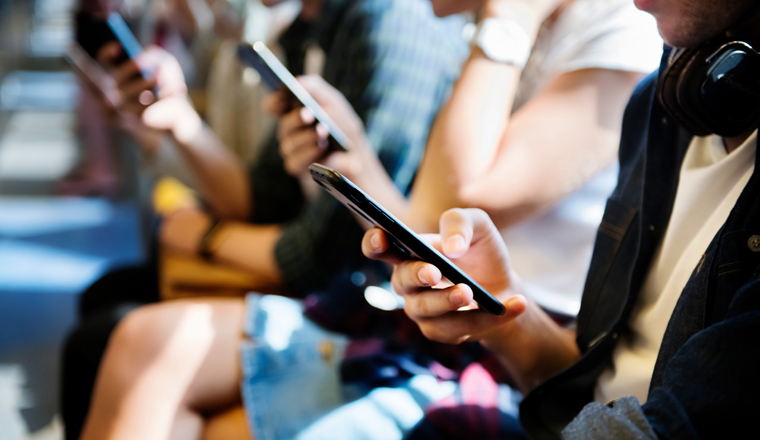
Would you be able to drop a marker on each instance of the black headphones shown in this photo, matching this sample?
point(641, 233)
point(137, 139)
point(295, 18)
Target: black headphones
point(714, 88)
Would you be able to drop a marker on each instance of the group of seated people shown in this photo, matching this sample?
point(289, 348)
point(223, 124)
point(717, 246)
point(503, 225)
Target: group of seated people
point(607, 204)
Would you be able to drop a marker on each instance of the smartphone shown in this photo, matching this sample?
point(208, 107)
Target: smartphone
point(95, 75)
point(402, 238)
point(277, 77)
point(92, 33)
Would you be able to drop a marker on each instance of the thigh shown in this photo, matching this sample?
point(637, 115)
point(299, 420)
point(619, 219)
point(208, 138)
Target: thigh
point(185, 351)
point(217, 382)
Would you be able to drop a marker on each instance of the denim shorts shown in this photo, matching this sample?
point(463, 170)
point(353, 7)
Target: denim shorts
point(292, 389)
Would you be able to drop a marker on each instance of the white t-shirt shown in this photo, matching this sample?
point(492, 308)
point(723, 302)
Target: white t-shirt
point(710, 183)
point(552, 252)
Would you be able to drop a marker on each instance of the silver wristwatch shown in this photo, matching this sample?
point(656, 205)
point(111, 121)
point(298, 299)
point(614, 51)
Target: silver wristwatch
point(502, 40)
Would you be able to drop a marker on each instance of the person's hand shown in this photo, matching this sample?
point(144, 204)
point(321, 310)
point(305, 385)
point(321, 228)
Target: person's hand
point(183, 229)
point(303, 142)
point(153, 91)
point(447, 313)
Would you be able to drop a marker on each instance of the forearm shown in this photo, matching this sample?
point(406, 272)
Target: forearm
point(222, 180)
point(551, 146)
point(464, 137)
point(246, 246)
point(557, 142)
point(250, 247)
point(533, 347)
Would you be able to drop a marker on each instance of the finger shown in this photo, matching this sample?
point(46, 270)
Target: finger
point(299, 160)
point(376, 245)
point(294, 120)
point(458, 326)
point(461, 227)
point(276, 104)
point(412, 275)
point(304, 139)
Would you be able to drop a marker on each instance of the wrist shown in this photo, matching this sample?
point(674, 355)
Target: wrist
point(503, 40)
point(188, 124)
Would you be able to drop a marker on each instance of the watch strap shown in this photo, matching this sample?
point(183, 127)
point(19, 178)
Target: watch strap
point(204, 246)
point(503, 40)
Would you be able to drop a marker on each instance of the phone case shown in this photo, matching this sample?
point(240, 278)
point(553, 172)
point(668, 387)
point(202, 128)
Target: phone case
point(402, 238)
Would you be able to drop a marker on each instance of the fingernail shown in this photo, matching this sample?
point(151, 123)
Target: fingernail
point(456, 297)
point(455, 243)
point(513, 302)
point(423, 277)
point(322, 131)
point(306, 116)
point(375, 242)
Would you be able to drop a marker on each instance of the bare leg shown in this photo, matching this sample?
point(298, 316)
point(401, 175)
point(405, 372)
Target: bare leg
point(166, 365)
point(229, 425)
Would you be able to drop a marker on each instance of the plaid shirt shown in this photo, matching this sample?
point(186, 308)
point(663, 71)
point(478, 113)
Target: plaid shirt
point(395, 63)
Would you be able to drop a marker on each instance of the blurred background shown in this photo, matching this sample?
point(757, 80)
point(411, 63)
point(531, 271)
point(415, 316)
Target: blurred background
point(51, 246)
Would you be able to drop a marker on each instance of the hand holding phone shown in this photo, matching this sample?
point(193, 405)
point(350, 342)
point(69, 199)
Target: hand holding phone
point(405, 242)
point(278, 78)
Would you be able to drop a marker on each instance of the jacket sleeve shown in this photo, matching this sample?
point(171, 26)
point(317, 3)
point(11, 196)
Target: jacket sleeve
point(708, 390)
point(622, 420)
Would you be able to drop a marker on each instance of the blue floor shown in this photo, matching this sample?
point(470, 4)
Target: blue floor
point(51, 249)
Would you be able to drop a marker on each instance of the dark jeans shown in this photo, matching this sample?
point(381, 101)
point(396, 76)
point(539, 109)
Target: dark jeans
point(101, 308)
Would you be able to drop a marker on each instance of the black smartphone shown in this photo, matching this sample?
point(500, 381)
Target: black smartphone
point(402, 238)
point(277, 77)
point(92, 33)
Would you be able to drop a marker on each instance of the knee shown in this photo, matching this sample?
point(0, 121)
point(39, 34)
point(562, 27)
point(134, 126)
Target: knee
point(148, 332)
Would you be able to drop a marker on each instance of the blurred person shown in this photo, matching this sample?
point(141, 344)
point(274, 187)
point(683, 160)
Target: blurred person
point(105, 302)
point(394, 61)
point(214, 362)
point(186, 28)
point(666, 339)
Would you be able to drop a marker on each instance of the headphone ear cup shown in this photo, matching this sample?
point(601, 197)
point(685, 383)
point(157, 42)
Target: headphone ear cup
point(679, 87)
point(714, 88)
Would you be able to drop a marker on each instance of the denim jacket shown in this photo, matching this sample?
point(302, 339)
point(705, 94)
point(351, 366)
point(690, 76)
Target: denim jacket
point(705, 382)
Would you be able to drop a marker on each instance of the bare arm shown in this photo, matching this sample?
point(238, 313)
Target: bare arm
point(543, 151)
point(222, 179)
point(243, 245)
